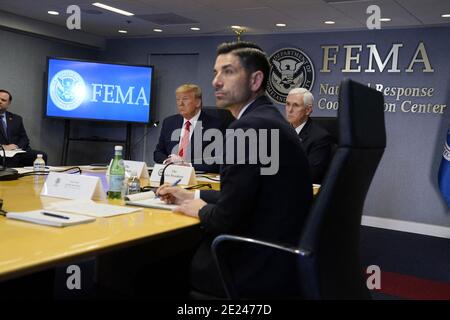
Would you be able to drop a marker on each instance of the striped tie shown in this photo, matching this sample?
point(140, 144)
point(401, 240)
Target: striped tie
point(3, 125)
point(184, 141)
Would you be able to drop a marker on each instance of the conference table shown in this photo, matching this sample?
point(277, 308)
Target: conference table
point(26, 247)
point(112, 242)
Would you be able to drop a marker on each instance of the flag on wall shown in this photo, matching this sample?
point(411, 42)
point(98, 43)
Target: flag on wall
point(444, 171)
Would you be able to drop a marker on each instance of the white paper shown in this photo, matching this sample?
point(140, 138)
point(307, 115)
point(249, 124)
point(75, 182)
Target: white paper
point(140, 196)
point(72, 186)
point(48, 168)
point(173, 173)
point(156, 203)
point(12, 153)
point(149, 200)
point(138, 166)
point(37, 216)
point(91, 208)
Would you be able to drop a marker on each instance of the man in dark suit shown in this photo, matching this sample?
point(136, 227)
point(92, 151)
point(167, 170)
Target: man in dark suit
point(315, 140)
point(266, 204)
point(178, 141)
point(13, 135)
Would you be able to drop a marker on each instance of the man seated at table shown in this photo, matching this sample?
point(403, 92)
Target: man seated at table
point(177, 139)
point(316, 141)
point(13, 135)
point(261, 199)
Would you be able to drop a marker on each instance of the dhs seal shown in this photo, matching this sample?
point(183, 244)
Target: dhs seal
point(67, 89)
point(290, 68)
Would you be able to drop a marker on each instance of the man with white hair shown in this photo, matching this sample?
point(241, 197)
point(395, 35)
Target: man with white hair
point(316, 141)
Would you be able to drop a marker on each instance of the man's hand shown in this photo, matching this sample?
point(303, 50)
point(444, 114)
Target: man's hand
point(174, 195)
point(176, 159)
point(190, 207)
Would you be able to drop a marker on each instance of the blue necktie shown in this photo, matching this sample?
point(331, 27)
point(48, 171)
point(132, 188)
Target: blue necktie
point(3, 125)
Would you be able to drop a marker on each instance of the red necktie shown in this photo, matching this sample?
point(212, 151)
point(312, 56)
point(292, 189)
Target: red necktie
point(185, 140)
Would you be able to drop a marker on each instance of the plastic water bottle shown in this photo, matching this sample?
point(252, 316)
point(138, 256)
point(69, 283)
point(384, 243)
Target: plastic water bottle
point(116, 175)
point(39, 164)
point(134, 184)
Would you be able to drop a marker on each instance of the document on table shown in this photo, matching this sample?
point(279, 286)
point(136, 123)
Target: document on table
point(12, 153)
point(90, 208)
point(50, 218)
point(148, 200)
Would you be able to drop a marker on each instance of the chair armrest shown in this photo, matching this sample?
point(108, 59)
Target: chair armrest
point(224, 270)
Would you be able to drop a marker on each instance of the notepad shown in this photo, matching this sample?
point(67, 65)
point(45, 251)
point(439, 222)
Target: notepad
point(37, 216)
point(90, 208)
point(148, 200)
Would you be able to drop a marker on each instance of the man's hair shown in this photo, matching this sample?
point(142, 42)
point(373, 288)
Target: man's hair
point(308, 98)
point(188, 87)
point(251, 56)
point(5, 91)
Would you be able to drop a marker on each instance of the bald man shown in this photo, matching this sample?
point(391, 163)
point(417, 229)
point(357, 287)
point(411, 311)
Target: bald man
point(316, 141)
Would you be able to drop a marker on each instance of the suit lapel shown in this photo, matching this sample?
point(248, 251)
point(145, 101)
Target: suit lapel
point(259, 101)
point(303, 135)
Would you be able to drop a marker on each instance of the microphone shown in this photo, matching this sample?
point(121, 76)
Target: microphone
point(5, 173)
point(161, 180)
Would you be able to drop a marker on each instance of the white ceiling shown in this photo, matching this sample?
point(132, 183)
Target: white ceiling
point(215, 17)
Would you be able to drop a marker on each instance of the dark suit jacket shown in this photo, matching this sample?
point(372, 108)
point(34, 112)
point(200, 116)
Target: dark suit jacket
point(166, 146)
point(318, 145)
point(16, 133)
point(269, 207)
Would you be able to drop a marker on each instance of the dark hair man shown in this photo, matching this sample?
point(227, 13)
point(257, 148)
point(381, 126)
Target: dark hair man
point(266, 206)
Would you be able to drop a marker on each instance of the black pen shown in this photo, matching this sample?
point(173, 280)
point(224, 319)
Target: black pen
point(55, 215)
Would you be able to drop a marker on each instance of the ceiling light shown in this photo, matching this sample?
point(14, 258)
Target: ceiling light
point(447, 15)
point(195, 29)
point(281, 25)
point(53, 13)
point(104, 6)
point(236, 27)
point(157, 30)
point(123, 31)
point(329, 22)
point(385, 19)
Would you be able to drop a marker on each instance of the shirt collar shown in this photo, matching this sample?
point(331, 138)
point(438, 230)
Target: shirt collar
point(244, 108)
point(193, 120)
point(300, 127)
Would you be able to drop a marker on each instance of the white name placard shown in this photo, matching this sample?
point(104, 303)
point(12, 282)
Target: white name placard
point(72, 186)
point(173, 173)
point(138, 166)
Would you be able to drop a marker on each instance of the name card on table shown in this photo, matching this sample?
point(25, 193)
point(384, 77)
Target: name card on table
point(173, 173)
point(138, 166)
point(71, 186)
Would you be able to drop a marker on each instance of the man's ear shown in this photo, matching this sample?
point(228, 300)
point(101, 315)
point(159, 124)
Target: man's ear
point(309, 110)
point(256, 79)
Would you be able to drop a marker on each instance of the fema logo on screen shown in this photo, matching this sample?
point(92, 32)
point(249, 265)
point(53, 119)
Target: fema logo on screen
point(289, 68)
point(67, 90)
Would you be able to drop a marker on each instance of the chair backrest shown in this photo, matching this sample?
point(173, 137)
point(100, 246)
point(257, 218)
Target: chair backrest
point(331, 233)
point(224, 115)
point(330, 124)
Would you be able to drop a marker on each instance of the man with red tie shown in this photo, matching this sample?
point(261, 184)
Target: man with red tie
point(13, 135)
point(176, 142)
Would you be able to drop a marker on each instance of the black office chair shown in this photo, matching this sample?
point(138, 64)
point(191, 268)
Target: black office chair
point(327, 257)
point(330, 124)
